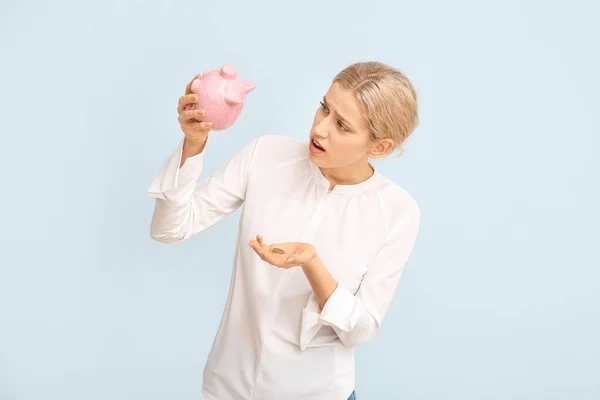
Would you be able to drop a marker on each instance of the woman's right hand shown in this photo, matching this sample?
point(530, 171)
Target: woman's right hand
point(195, 131)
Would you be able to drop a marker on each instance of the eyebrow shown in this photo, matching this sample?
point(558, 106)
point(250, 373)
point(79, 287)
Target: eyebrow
point(338, 114)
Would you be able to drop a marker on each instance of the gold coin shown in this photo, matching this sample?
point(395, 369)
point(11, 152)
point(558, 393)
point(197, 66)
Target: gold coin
point(278, 250)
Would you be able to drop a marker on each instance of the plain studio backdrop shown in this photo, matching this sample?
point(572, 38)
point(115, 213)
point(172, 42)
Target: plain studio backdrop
point(501, 296)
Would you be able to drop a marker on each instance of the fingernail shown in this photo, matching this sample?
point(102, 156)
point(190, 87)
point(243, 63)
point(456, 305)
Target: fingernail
point(194, 97)
point(291, 259)
point(207, 124)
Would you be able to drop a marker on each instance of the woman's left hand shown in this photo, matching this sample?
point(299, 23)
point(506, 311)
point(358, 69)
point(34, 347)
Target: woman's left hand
point(294, 253)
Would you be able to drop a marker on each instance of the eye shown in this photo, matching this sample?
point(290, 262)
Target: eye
point(342, 127)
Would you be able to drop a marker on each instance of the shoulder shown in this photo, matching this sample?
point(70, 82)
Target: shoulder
point(275, 150)
point(398, 206)
point(285, 144)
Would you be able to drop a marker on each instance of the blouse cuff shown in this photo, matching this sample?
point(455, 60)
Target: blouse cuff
point(340, 311)
point(177, 184)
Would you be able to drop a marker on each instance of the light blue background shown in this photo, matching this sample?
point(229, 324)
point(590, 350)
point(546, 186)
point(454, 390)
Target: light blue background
point(501, 297)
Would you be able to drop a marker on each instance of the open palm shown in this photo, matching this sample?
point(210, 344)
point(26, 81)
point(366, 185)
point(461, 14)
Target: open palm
point(283, 255)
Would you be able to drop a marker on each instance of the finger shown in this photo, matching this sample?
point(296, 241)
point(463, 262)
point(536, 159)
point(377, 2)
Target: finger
point(256, 247)
point(188, 88)
point(191, 114)
point(186, 100)
point(262, 251)
point(263, 246)
point(195, 122)
point(267, 248)
point(292, 258)
point(201, 126)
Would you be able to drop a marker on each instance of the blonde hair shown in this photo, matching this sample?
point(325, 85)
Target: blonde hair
point(387, 100)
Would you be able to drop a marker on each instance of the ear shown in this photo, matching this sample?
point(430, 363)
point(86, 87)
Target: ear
point(381, 148)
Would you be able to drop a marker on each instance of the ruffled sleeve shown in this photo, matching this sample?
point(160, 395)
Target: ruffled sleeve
point(185, 206)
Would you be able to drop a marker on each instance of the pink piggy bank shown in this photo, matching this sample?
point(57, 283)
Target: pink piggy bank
point(222, 94)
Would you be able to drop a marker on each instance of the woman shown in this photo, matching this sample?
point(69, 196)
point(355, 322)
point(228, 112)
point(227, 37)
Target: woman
point(323, 237)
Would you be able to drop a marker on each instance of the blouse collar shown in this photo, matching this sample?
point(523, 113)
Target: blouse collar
point(361, 187)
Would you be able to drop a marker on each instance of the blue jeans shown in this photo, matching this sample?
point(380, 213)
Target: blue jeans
point(352, 396)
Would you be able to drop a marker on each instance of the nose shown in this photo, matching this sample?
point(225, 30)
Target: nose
point(320, 129)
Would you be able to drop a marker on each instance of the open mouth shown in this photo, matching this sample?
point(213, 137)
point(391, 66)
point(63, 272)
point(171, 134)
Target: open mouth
point(316, 147)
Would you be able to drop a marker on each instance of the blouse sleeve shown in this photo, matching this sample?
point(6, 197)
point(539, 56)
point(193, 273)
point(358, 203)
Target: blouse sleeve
point(357, 317)
point(183, 206)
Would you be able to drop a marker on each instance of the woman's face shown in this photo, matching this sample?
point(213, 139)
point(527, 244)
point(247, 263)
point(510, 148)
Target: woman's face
point(341, 130)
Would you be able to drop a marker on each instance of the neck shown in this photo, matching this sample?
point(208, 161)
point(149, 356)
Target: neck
point(348, 174)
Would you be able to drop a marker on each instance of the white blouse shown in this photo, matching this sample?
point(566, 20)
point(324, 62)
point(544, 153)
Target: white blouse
point(274, 342)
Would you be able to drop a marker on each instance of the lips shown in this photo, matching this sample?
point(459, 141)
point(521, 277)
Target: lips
point(317, 144)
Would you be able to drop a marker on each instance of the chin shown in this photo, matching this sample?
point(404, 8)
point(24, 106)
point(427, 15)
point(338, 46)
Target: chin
point(318, 161)
point(315, 159)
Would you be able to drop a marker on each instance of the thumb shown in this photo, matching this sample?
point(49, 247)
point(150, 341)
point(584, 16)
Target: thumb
point(292, 256)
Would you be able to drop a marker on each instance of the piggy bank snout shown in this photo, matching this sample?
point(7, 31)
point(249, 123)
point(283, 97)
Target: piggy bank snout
point(228, 71)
